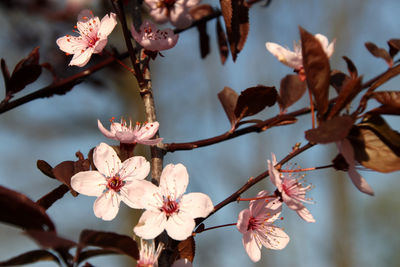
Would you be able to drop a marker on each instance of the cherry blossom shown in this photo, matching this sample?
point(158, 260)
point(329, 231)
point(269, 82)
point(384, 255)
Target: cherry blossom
point(175, 11)
point(182, 263)
point(129, 134)
point(294, 59)
point(290, 190)
point(256, 225)
point(347, 152)
point(112, 182)
point(168, 208)
point(153, 39)
point(149, 254)
point(92, 37)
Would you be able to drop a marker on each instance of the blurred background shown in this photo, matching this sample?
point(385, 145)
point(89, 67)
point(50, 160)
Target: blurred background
point(351, 229)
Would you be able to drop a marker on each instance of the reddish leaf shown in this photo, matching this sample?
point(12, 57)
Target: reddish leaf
point(49, 199)
point(379, 52)
point(186, 249)
point(45, 168)
point(228, 99)
point(30, 257)
point(351, 67)
point(222, 42)
point(292, 89)
point(385, 110)
point(394, 46)
point(6, 74)
point(346, 95)
point(330, 131)
point(20, 211)
point(388, 98)
point(317, 69)
point(255, 99)
point(204, 39)
point(50, 240)
point(25, 72)
point(236, 16)
point(338, 79)
point(111, 241)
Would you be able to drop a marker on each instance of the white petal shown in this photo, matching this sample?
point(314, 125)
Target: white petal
point(159, 15)
point(71, 44)
point(99, 46)
point(180, 17)
point(243, 221)
point(196, 204)
point(148, 130)
point(291, 202)
point(135, 193)
point(252, 248)
point(90, 183)
point(82, 58)
point(135, 168)
point(106, 160)
point(180, 226)
point(275, 238)
point(104, 131)
point(174, 180)
point(106, 206)
point(360, 182)
point(306, 215)
point(107, 25)
point(151, 142)
point(274, 174)
point(285, 56)
point(150, 224)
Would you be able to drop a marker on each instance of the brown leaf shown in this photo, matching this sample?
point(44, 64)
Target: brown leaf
point(50, 240)
point(222, 42)
point(349, 90)
point(236, 16)
point(45, 168)
point(379, 52)
point(111, 241)
point(317, 69)
point(30, 257)
point(20, 211)
point(385, 110)
point(255, 99)
point(186, 249)
point(47, 200)
point(394, 46)
point(204, 39)
point(351, 67)
point(387, 98)
point(228, 99)
point(330, 131)
point(338, 79)
point(6, 74)
point(292, 89)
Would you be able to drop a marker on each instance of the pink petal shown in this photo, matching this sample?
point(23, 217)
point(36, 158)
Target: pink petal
point(180, 226)
point(127, 137)
point(74, 44)
point(147, 131)
point(100, 44)
point(190, 3)
point(105, 132)
point(182, 263)
point(106, 206)
point(106, 160)
point(159, 15)
point(151, 142)
point(196, 204)
point(134, 194)
point(285, 56)
point(82, 58)
point(85, 15)
point(360, 182)
point(135, 168)
point(274, 174)
point(174, 180)
point(107, 25)
point(90, 183)
point(180, 17)
point(306, 215)
point(291, 202)
point(276, 238)
point(150, 224)
point(151, 3)
point(256, 206)
point(243, 221)
point(252, 248)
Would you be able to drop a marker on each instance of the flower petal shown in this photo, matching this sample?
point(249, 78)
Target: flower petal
point(275, 238)
point(274, 174)
point(106, 206)
point(71, 44)
point(126, 137)
point(106, 160)
point(134, 192)
point(174, 180)
point(90, 183)
point(251, 247)
point(291, 202)
point(159, 15)
point(287, 57)
point(150, 224)
point(196, 204)
point(243, 221)
point(105, 132)
point(360, 182)
point(305, 214)
point(151, 142)
point(107, 25)
point(147, 131)
point(82, 58)
point(135, 168)
point(180, 17)
point(180, 226)
point(100, 44)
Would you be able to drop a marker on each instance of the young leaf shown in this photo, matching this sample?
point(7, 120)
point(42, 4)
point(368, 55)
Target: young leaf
point(351, 67)
point(45, 168)
point(49, 199)
point(317, 69)
point(186, 249)
point(379, 53)
point(292, 89)
point(331, 130)
point(111, 241)
point(375, 144)
point(228, 99)
point(255, 99)
point(30, 257)
point(394, 46)
point(198, 13)
point(236, 17)
point(387, 98)
point(20, 211)
point(50, 240)
point(338, 80)
point(222, 42)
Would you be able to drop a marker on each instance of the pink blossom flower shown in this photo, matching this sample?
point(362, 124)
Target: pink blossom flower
point(168, 208)
point(153, 39)
point(182, 263)
point(92, 37)
point(256, 225)
point(128, 134)
point(347, 152)
point(294, 59)
point(291, 191)
point(148, 254)
point(112, 182)
point(175, 11)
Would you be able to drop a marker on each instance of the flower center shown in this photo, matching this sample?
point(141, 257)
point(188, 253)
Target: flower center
point(170, 206)
point(166, 3)
point(115, 183)
point(252, 224)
